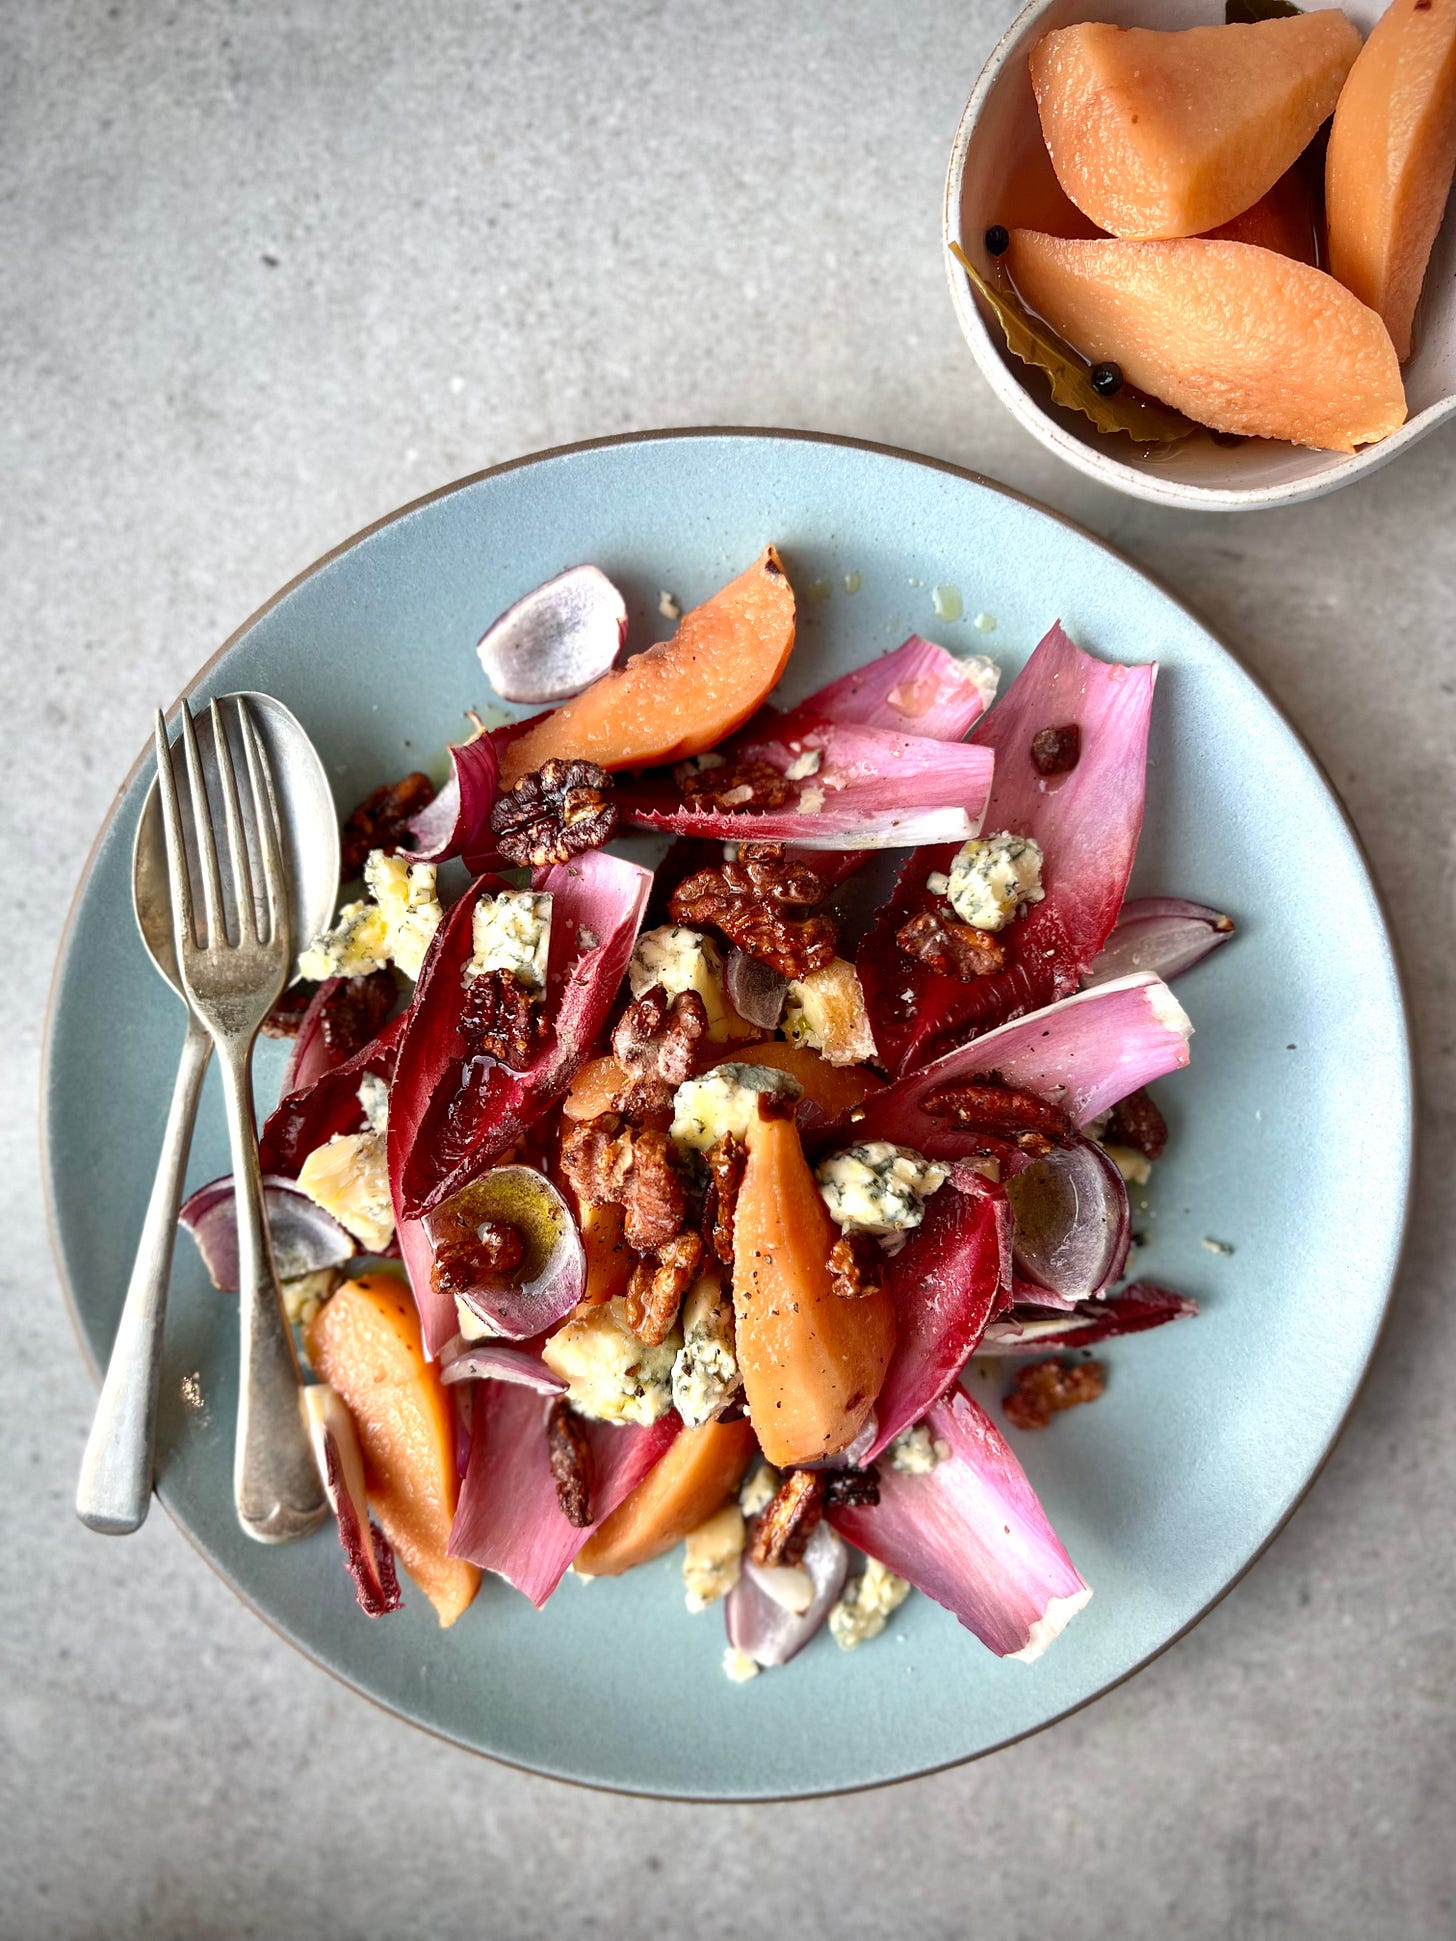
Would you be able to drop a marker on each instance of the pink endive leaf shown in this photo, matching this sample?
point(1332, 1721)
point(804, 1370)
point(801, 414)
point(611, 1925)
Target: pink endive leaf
point(1023, 1331)
point(451, 1116)
point(305, 1238)
point(1086, 823)
point(1084, 1054)
point(367, 1554)
point(1161, 934)
point(918, 689)
point(329, 1104)
point(950, 1277)
point(457, 821)
point(875, 789)
point(971, 1534)
point(509, 1519)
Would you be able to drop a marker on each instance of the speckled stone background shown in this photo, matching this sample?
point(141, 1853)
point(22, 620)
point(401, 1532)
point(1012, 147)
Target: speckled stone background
point(270, 270)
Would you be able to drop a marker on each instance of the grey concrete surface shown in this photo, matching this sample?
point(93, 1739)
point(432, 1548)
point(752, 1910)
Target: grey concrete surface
point(270, 270)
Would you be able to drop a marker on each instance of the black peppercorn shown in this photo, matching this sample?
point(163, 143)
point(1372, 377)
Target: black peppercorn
point(1107, 380)
point(998, 240)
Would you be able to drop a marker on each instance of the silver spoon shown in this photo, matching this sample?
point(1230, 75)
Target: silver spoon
point(114, 1491)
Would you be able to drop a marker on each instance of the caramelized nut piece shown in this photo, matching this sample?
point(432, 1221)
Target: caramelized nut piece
point(656, 1289)
point(788, 1523)
point(851, 1489)
point(752, 901)
point(1137, 1122)
point(501, 1019)
point(987, 1102)
point(1056, 751)
point(856, 1266)
point(951, 949)
point(726, 1161)
point(379, 821)
point(656, 1042)
point(734, 785)
point(571, 1463)
point(1040, 1390)
point(554, 813)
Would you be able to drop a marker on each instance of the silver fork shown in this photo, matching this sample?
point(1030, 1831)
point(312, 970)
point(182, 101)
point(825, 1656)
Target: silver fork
point(231, 985)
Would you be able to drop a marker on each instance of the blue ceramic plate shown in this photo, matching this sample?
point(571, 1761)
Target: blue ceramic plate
point(1210, 1431)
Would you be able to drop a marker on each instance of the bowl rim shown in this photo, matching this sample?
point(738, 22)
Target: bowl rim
point(1155, 487)
point(1410, 1126)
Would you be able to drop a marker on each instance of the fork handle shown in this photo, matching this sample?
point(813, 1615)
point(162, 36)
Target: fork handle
point(276, 1483)
point(114, 1492)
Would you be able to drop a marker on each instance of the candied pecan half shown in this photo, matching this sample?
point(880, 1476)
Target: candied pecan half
point(380, 819)
point(609, 1164)
point(658, 1284)
point(726, 1161)
point(788, 1522)
point(287, 1014)
point(851, 1489)
point(1137, 1122)
point(571, 1463)
point(1046, 1386)
point(751, 902)
point(501, 1018)
point(492, 1248)
point(656, 1041)
point(856, 1266)
point(355, 1011)
point(987, 1102)
point(554, 813)
point(1056, 751)
point(734, 785)
point(951, 949)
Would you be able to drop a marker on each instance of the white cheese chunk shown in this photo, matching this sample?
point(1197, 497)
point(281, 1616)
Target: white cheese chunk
point(511, 932)
point(357, 944)
point(825, 1012)
point(705, 1376)
point(915, 1452)
point(374, 1101)
point(713, 1557)
point(724, 1100)
point(760, 1490)
point(994, 877)
point(866, 1606)
point(738, 1665)
point(878, 1188)
point(409, 903)
point(349, 1178)
point(610, 1374)
point(680, 959)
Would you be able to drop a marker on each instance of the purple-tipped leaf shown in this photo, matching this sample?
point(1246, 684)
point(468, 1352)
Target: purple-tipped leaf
point(308, 1118)
point(457, 821)
point(498, 1361)
point(1086, 823)
point(758, 1623)
point(509, 1519)
point(551, 1278)
point(557, 639)
point(971, 1534)
point(918, 689)
point(367, 1555)
point(1070, 1225)
point(1023, 1331)
point(306, 1240)
point(1163, 935)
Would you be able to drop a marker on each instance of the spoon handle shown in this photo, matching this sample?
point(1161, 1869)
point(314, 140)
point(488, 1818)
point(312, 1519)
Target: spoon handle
point(276, 1484)
point(115, 1487)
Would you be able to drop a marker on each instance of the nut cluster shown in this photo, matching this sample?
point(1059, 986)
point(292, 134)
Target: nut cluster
point(1044, 1387)
point(656, 1043)
point(760, 902)
point(380, 821)
point(734, 785)
point(554, 813)
point(988, 1105)
point(502, 1019)
point(951, 949)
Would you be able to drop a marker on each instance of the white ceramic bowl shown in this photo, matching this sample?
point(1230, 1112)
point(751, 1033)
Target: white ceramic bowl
point(999, 169)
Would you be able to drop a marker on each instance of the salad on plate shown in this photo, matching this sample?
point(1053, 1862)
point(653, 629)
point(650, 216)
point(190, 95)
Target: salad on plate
point(624, 1207)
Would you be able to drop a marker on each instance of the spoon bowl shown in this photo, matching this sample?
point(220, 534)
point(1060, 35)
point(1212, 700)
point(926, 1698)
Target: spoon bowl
point(1000, 173)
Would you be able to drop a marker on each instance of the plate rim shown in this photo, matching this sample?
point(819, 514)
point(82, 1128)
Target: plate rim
point(903, 455)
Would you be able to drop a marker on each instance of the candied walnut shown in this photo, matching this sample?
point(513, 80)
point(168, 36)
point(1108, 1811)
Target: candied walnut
point(752, 901)
point(1002, 1108)
point(287, 1014)
point(571, 1463)
point(501, 1018)
point(726, 1161)
point(656, 1041)
point(489, 1250)
point(1056, 751)
point(554, 813)
point(734, 785)
point(1046, 1386)
point(851, 1489)
point(788, 1522)
point(951, 949)
point(658, 1284)
point(1137, 1122)
point(609, 1164)
point(856, 1266)
point(380, 821)
point(355, 1011)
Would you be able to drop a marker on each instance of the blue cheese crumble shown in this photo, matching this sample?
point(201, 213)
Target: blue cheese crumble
point(705, 1375)
point(878, 1188)
point(395, 924)
point(680, 959)
point(723, 1101)
point(511, 932)
point(915, 1452)
point(348, 1177)
point(825, 1012)
point(867, 1605)
point(993, 878)
point(713, 1557)
point(610, 1374)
